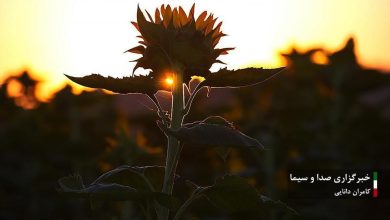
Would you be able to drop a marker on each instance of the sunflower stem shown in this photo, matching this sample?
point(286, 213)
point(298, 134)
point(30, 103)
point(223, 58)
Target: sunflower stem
point(174, 147)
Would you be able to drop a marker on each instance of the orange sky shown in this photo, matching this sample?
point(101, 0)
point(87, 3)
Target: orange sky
point(79, 37)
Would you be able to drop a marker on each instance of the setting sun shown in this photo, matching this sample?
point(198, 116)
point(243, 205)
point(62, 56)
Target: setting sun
point(169, 81)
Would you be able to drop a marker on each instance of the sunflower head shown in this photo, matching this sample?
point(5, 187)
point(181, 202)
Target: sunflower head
point(173, 38)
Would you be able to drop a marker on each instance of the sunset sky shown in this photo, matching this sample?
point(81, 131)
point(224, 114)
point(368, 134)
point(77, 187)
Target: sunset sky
point(80, 37)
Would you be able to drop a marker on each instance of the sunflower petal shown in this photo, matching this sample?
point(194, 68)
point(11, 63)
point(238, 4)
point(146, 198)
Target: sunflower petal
point(167, 16)
point(150, 17)
point(162, 10)
point(143, 43)
point(182, 16)
point(151, 32)
point(192, 12)
point(209, 27)
point(157, 17)
point(138, 50)
point(222, 51)
point(135, 25)
point(203, 25)
point(200, 20)
point(217, 38)
point(219, 61)
point(216, 30)
point(175, 18)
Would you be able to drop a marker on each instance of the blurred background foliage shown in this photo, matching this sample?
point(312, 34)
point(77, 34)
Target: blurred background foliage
point(325, 111)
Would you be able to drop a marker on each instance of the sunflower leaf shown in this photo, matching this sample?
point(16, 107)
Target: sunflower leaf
point(145, 177)
point(235, 195)
point(72, 186)
point(232, 194)
point(126, 85)
point(112, 191)
point(214, 131)
point(240, 78)
point(122, 183)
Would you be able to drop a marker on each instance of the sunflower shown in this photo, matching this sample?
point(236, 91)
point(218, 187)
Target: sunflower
point(173, 42)
point(174, 39)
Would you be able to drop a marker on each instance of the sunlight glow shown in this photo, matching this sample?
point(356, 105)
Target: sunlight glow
point(320, 57)
point(15, 89)
point(169, 81)
point(83, 37)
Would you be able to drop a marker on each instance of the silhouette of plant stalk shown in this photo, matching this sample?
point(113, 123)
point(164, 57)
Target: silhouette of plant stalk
point(174, 146)
point(180, 46)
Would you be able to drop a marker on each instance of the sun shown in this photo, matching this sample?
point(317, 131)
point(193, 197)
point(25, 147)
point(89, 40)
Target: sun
point(169, 81)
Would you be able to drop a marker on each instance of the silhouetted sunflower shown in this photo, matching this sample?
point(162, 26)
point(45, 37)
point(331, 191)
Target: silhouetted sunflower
point(174, 42)
point(175, 39)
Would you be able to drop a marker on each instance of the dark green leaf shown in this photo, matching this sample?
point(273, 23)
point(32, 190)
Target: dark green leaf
point(136, 84)
point(122, 183)
point(214, 131)
point(111, 191)
point(115, 191)
point(145, 178)
point(239, 78)
point(73, 186)
point(155, 174)
point(233, 194)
